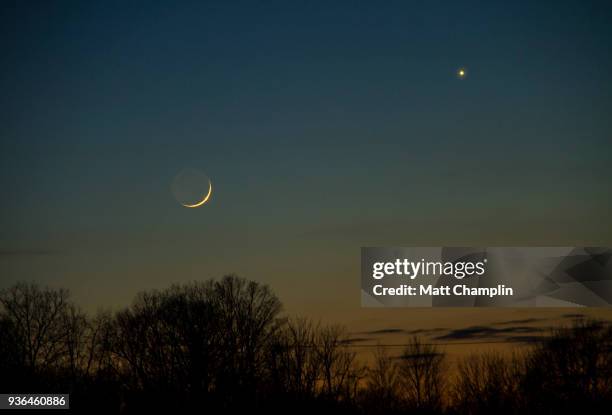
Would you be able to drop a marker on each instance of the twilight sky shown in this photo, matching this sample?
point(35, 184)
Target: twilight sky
point(324, 127)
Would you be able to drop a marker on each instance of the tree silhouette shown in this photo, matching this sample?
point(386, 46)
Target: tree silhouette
point(223, 345)
point(337, 363)
point(36, 319)
point(488, 383)
point(421, 375)
point(294, 364)
point(382, 393)
point(571, 370)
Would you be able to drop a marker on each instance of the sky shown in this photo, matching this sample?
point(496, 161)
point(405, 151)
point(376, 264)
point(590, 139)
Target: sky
point(323, 126)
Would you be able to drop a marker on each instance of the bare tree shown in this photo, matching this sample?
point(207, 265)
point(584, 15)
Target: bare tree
point(570, 369)
point(146, 345)
point(203, 340)
point(422, 380)
point(12, 359)
point(293, 359)
point(248, 314)
point(383, 384)
point(488, 383)
point(76, 344)
point(339, 372)
point(99, 344)
point(38, 316)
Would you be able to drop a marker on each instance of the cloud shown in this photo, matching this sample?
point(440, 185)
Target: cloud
point(355, 340)
point(427, 331)
point(418, 355)
point(385, 331)
point(27, 252)
point(402, 331)
point(526, 331)
point(489, 332)
point(573, 315)
point(523, 321)
point(525, 339)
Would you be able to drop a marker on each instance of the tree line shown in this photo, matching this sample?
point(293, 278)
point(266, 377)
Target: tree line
point(224, 345)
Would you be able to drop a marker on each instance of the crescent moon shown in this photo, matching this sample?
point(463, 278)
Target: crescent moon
point(200, 203)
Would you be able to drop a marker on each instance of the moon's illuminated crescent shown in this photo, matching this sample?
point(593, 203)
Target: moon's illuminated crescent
point(200, 203)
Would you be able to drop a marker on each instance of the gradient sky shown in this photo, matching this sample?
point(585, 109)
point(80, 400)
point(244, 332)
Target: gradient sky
point(324, 127)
